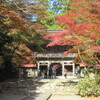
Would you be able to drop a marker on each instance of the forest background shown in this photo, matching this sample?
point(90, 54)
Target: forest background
point(79, 22)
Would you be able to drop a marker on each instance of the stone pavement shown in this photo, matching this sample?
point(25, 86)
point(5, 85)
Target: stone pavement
point(41, 96)
point(40, 89)
point(47, 97)
point(71, 97)
point(34, 89)
point(11, 97)
point(20, 97)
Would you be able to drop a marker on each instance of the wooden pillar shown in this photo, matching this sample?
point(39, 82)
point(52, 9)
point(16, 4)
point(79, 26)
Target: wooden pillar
point(73, 69)
point(38, 68)
point(48, 67)
point(62, 68)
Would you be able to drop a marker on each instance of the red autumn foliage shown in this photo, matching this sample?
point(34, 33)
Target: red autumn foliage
point(81, 29)
point(25, 52)
point(96, 6)
point(64, 20)
point(13, 19)
point(60, 38)
point(96, 48)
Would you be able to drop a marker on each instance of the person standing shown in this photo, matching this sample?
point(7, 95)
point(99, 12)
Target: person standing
point(53, 72)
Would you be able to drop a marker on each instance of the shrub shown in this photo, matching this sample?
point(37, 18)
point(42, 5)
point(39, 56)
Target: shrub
point(88, 87)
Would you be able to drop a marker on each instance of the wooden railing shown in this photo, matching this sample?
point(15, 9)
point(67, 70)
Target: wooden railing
point(54, 55)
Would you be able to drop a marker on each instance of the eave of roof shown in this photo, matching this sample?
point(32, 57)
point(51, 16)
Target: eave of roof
point(28, 66)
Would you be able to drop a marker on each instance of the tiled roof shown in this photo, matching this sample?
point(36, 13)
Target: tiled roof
point(28, 65)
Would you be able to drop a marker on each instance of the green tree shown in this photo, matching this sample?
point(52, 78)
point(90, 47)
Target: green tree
point(17, 29)
point(60, 6)
point(55, 7)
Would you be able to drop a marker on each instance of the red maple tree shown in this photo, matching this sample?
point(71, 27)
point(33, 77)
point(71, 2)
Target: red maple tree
point(81, 29)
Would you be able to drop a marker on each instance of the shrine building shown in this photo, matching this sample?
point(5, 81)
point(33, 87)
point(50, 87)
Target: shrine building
point(53, 56)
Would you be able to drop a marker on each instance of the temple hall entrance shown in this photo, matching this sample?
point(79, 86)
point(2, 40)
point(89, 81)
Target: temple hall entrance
point(58, 67)
point(43, 71)
point(45, 68)
point(69, 69)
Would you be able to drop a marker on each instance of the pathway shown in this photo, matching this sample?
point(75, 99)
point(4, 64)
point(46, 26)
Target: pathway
point(41, 89)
